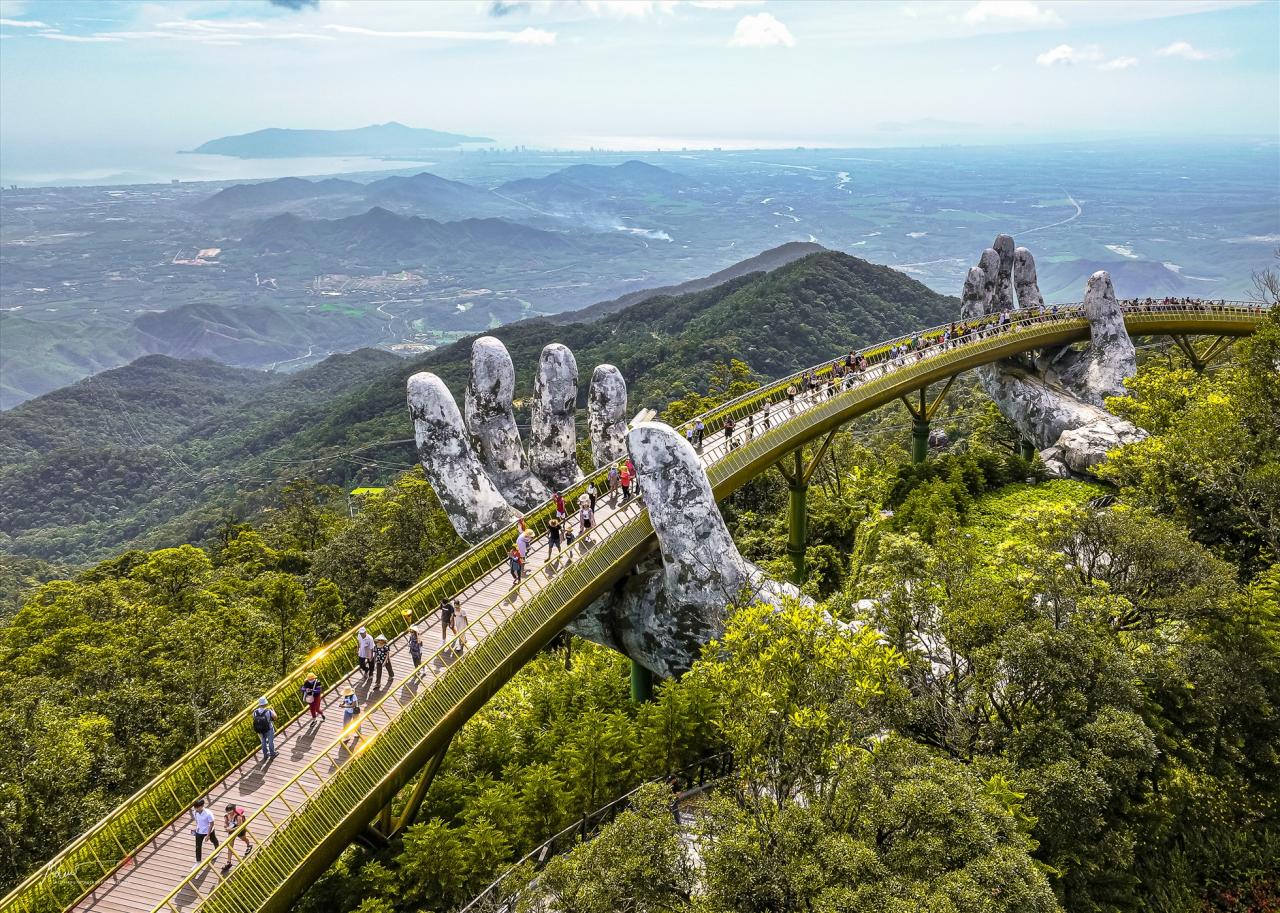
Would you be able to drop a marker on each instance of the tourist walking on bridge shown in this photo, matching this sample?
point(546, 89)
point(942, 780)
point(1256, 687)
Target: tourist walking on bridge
point(586, 520)
point(624, 481)
point(515, 564)
point(447, 609)
point(699, 430)
point(232, 820)
point(461, 623)
point(415, 649)
point(364, 652)
point(554, 531)
point(203, 830)
point(382, 660)
point(264, 724)
point(350, 710)
point(312, 692)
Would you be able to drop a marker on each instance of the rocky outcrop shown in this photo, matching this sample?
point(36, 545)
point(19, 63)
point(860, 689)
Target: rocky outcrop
point(553, 436)
point(607, 415)
point(474, 504)
point(491, 421)
point(1057, 401)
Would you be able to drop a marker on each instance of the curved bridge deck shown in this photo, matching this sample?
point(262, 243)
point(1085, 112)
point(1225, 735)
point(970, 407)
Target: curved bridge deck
point(318, 795)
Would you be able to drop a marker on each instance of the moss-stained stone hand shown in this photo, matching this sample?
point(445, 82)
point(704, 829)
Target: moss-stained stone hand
point(1056, 400)
point(670, 607)
point(673, 603)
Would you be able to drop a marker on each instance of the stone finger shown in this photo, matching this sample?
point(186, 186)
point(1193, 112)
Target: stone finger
point(474, 505)
point(607, 415)
point(552, 433)
point(491, 421)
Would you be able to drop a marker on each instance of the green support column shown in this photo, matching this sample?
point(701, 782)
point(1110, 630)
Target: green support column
point(919, 440)
point(1027, 450)
point(641, 684)
point(798, 521)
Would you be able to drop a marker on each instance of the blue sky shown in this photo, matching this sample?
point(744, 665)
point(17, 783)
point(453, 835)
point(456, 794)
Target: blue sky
point(636, 74)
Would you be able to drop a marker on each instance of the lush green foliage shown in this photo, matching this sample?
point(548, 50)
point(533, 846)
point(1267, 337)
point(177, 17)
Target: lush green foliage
point(1213, 461)
point(107, 678)
point(85, 478)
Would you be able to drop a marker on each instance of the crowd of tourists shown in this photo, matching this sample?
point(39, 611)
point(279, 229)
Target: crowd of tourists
point(621, 485)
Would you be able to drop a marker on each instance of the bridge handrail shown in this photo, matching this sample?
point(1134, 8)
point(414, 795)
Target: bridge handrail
point(171, 793)
point(256, 877)
point(292, 839)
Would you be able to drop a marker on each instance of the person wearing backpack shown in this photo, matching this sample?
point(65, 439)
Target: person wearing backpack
point(233, 820)
point(203, 830)
point(312, 692)
point(264, 724)
point(350, 710)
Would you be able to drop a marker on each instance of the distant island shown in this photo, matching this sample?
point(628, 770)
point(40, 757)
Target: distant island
point(389, 139)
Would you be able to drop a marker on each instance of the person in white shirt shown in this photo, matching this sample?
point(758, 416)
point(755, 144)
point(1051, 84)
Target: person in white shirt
point(365, 652)
point(203, 830)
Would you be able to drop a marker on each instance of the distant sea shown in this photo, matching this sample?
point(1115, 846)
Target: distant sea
point(65, 167)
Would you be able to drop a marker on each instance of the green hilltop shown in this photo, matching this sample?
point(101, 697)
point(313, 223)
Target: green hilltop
point(81, 483)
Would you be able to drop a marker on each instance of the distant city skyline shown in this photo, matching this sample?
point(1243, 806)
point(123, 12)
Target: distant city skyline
point(80, 78)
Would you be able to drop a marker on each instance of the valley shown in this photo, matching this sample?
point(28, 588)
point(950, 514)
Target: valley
point(280, 274)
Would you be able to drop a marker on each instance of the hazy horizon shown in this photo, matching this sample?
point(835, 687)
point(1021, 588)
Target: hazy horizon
point(101, 88)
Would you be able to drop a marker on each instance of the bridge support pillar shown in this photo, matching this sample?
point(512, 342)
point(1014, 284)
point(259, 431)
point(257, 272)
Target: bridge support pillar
point(797, 526)
point(641, 684)
point(1026, 450)
point(798, 477)
point(919, 440)
point(921, 416)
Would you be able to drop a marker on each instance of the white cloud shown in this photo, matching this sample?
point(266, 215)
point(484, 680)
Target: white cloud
point(524, 36)
point(1185, 50)
point(1022, 12)
point(761, 31)
point(1119, 63)
point(24, 23)
point(534, 36)
point(1066, 55)
point(78, 39)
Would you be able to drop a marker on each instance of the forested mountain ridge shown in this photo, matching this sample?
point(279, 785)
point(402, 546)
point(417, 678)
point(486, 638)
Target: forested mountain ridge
point(85, 499)
point(1098, 734)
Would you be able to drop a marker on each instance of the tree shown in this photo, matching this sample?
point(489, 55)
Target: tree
point(174, 573)
point(638, 864)
point(282, 604)
point(794, 689)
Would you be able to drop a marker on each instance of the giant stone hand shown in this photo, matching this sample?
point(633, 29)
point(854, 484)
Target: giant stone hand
point(1056, 400)
point(663, 613)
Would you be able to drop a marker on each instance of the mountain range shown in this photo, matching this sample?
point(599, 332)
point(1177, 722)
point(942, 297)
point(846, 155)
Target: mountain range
point(385, 140)
point(419, 194)
point(151, 454)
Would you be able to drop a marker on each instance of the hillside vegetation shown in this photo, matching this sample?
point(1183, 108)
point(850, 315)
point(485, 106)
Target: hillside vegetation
point(73, 499)
point(1051, 701)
